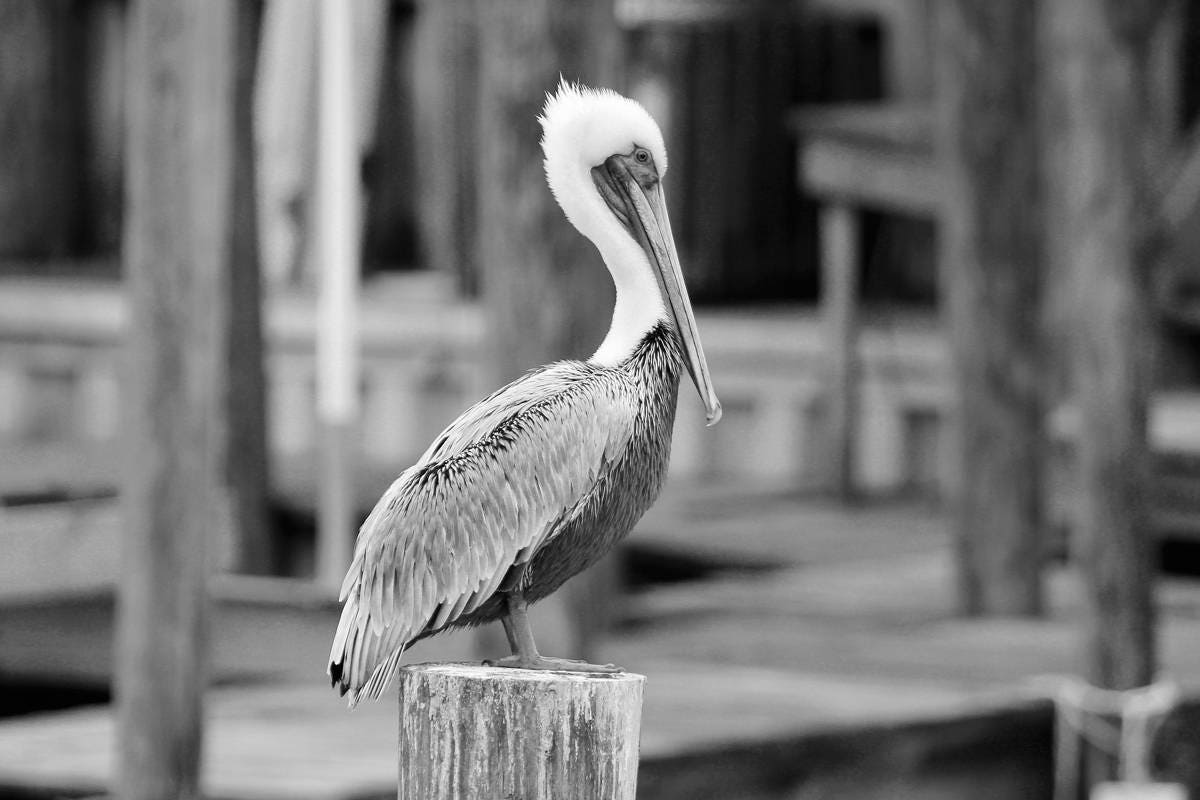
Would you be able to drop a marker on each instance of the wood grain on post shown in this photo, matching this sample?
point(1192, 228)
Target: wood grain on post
point(991, 271)
point(176, 250)
point(1105, 147)
point(468, 732)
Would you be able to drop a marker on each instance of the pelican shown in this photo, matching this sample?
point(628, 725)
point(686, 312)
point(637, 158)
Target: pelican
point(541, 479)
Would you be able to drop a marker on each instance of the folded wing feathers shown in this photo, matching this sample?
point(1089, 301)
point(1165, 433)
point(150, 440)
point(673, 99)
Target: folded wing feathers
point(442, 538)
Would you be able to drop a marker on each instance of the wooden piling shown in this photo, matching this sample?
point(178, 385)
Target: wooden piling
point(1106, 146)
point(992, 277)
point(468, 731)
point(176, 250)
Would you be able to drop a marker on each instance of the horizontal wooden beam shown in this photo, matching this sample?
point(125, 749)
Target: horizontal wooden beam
point(635, 13)
point(874, 155)
point(905, 183)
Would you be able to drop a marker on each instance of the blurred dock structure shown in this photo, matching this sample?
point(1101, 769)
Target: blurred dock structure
point(850, 129)
point(804, 628)
point(59, 351)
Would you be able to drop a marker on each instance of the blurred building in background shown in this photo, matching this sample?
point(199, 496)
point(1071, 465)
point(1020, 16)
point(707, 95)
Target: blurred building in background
point(724, 85)
point(772, 111)
point(807, 197)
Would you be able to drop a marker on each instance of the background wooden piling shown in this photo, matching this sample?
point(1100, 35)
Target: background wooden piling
point(482, 732)
point(992, 277)
point(176, 250)
point(546, 294)
point(1108, 142)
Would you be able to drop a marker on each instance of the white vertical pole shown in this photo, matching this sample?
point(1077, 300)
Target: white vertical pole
point(287, 64)
point(338, 283)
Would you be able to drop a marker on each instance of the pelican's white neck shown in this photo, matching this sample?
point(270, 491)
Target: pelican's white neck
point(638, 308)
point(581, 128)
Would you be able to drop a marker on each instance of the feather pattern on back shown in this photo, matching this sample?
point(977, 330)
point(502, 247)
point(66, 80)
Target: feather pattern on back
point(493, 490)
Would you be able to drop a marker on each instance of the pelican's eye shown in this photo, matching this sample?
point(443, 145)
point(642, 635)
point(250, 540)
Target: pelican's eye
point(641, 155)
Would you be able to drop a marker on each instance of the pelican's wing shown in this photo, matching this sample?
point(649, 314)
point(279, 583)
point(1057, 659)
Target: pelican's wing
point(484, 497)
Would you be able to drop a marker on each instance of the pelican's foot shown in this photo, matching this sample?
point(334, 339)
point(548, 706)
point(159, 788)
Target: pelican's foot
point(551, 664)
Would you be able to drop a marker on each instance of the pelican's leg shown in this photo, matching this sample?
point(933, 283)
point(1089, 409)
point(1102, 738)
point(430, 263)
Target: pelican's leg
point(525, 653)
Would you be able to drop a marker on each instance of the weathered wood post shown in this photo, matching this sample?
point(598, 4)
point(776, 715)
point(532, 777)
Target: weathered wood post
point(1106, 146)
point(991, 266)
point(176, 248)
point(471, 732)
point(246, 456)
point(1109, 125)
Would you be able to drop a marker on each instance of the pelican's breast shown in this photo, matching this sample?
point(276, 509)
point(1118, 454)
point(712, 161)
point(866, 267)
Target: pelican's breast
point(630, 483)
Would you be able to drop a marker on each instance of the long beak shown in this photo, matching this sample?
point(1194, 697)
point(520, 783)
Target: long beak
point(651, 226)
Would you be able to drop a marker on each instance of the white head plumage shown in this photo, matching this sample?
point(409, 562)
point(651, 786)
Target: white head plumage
point(605, 160)
point(581, 127)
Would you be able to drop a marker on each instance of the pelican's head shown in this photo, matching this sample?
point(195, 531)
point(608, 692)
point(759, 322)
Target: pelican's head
point(605, 161)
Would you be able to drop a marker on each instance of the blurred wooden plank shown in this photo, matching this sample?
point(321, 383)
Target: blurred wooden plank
point(636, 13)
point(901, 127)
point(871, 9)
point(872, 155)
